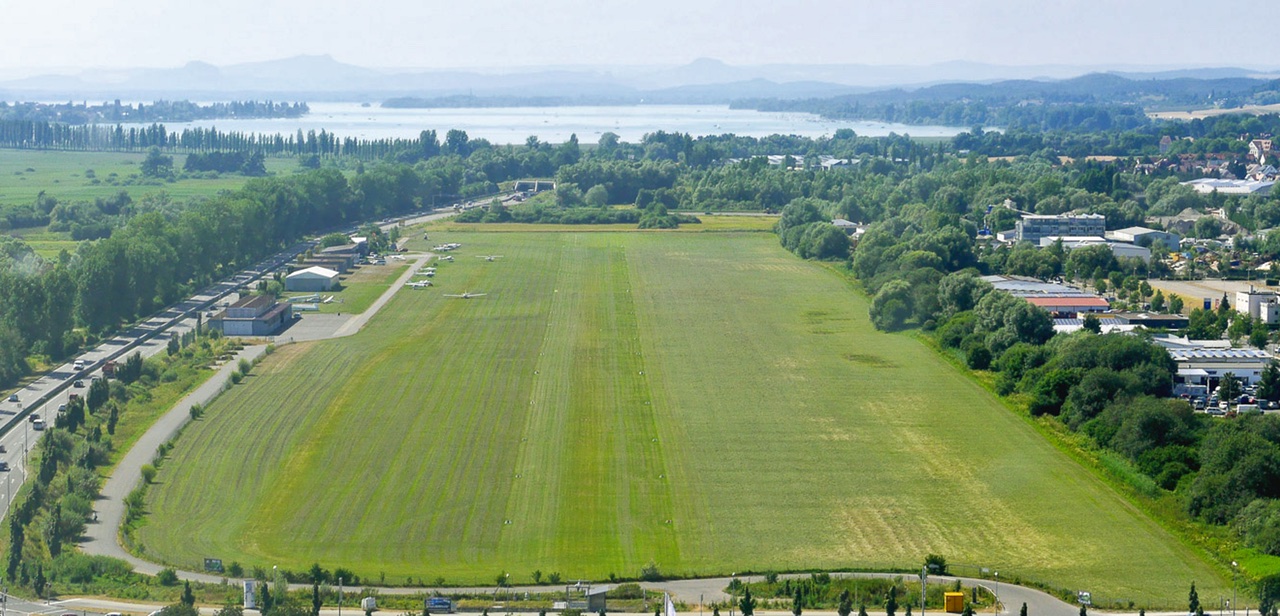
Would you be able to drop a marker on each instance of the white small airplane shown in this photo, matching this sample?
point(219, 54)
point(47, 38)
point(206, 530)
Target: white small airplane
point(489, 257)
point(427, 274)
point(447, 258)
point(421, 284)
point(467, 295)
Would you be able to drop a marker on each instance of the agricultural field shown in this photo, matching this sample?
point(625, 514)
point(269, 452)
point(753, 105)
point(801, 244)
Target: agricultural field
point(65, 176)
point(706, 402)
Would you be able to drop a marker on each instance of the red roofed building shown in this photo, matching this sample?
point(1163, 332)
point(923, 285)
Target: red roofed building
point(1070, 304)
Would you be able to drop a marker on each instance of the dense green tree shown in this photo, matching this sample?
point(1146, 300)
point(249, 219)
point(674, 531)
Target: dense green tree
point(1269, 382)
point(747, 604)
point(890, 308)
point(1229, 387)
point(156, 164)
point(844, 605)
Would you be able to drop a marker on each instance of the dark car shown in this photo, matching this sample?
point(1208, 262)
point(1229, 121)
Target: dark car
point(4, 466)
point(78, 383)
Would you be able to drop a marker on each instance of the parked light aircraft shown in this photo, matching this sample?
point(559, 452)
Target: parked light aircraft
point(489, 257)
point(421, 284)
point(467, 295)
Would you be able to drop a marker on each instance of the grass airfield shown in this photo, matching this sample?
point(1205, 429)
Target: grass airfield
point(703, 401)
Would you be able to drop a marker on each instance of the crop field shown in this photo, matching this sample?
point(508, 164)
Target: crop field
point(65, 176)
point(703, 401)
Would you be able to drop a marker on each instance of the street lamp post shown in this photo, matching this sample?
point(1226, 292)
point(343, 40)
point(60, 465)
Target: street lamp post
point(1234, 568)
point(339, 596)
point(997, 593)
point(924, 576)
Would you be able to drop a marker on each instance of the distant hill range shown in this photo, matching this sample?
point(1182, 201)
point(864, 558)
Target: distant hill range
point(705, 81)
point(320, 77)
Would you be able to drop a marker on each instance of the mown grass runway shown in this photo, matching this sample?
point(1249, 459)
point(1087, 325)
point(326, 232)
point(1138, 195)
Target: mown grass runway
point(706, 402)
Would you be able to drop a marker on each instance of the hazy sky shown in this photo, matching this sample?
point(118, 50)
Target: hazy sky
point(45, 34)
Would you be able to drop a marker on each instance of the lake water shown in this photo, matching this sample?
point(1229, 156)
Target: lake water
point(555, 124)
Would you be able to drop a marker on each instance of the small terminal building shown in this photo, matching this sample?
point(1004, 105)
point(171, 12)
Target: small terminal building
point(252, 315)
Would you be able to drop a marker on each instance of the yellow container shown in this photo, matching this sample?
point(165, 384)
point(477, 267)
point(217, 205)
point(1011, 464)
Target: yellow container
point(953, 602)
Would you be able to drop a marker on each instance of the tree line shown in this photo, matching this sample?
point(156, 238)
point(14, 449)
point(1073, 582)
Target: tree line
point(159, 111)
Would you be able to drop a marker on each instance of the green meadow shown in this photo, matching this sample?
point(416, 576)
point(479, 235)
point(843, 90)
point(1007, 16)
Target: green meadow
point(24, 174)
point(706, 402)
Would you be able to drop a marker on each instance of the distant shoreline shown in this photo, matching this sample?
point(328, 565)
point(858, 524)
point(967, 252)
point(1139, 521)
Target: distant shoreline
point(1194, 114)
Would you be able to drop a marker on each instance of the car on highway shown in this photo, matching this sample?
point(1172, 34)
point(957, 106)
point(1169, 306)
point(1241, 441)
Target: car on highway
point(3, 450)
point(62, 407)
point(33, 418)
point(4, 466)
point(78, 365)
point(13, 397)
point(37, 425)
point(78, 383)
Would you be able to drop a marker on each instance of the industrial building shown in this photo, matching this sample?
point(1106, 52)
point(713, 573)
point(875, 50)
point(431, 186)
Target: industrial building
point(1058, 299)
point(252, 315)
point(1032, 227)
point(1259, 304)
point(1207, 366)
point(1143, 236)
point(311, 279)
point(1230, 187)
point(1119, 249)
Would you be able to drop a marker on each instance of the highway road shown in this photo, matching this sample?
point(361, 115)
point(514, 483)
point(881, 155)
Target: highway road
point(43, 396)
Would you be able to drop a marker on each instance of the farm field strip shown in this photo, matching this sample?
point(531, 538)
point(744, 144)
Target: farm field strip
point(63, 176)
point(706, 402)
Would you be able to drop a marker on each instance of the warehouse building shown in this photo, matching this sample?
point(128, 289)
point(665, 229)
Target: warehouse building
point(311, 279)
point(1058, 299)
point(253, 315)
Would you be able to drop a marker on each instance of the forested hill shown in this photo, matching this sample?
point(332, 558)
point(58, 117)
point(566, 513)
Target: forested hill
point(159, 111)
point(1118, 102)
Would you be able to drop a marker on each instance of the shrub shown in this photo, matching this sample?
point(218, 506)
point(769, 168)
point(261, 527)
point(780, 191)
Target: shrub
point(650, 573)
point(148, 473)
point(167, 577)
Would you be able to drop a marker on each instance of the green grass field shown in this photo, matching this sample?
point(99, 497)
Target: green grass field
point(707, 402)
point(63, 176)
